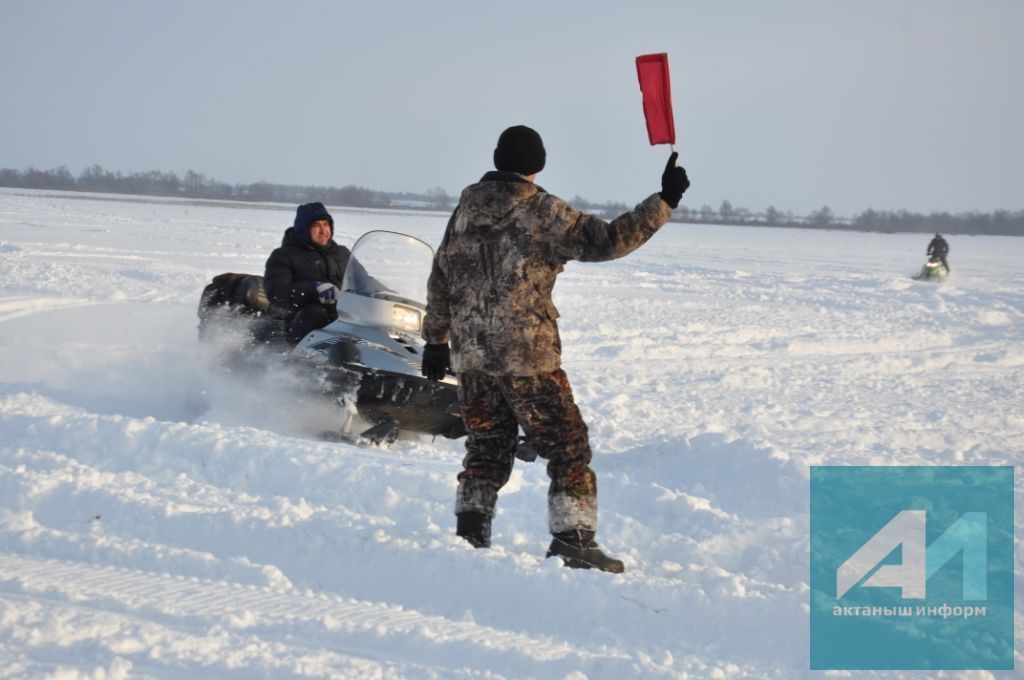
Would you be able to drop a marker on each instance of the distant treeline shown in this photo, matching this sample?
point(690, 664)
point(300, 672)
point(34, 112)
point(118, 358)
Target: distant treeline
point(999, 223)
point(196, 185)
point(191, 185)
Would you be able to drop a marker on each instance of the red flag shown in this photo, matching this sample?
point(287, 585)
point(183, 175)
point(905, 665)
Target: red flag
point(652, 69)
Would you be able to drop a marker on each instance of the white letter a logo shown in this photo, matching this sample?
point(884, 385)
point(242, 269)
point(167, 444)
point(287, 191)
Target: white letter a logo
point(906, 529)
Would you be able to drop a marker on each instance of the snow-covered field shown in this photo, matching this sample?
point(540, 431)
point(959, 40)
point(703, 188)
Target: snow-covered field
point(714, 366)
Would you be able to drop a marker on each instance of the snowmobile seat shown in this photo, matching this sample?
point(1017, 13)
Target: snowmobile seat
point(219, 292)
point(241, 297)
point(243, 294)
point(250, 294)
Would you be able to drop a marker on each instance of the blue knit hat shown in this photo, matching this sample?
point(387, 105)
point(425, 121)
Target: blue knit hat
point(307, 214)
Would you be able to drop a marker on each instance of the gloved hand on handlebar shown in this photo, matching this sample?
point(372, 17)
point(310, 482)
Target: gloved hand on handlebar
point(327, 292)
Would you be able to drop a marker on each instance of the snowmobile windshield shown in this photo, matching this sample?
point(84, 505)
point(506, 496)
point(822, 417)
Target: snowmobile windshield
point(389, 266)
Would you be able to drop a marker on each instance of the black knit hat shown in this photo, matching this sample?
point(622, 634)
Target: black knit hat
point(521, 150)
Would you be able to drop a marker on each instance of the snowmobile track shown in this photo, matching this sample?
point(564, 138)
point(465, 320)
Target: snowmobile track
point(196, 604)
point(18, 307)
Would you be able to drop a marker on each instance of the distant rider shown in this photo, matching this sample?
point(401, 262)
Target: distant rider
point(304, 275)
point(939, 248)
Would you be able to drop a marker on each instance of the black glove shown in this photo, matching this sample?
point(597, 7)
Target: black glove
point(436, 361)
point(674, 182)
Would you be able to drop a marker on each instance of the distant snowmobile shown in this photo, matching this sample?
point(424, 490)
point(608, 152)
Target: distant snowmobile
point(370, 356)
point(933, 270)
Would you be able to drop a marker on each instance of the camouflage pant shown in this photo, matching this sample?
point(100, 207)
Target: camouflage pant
point(493, 408)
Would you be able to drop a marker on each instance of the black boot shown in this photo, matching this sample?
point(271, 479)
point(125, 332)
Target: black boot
point(475, 527)
point(579, 550)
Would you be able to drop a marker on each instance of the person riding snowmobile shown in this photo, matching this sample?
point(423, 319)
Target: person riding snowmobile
point(305, 273)
point(938, 248)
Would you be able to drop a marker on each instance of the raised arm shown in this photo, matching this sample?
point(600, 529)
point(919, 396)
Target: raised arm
point(577, 236)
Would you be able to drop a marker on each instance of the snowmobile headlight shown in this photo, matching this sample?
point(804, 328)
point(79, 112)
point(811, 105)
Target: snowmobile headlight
point(406, 318)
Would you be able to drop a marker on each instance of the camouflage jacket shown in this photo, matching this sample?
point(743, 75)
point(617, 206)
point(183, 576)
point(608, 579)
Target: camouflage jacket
point(489, 292)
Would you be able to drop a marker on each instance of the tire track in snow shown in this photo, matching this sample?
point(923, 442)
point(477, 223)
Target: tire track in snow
point(75, 641)
point(16, 307)
point(337, 624)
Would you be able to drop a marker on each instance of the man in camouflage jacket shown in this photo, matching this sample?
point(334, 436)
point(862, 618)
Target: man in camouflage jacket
point(489, 294)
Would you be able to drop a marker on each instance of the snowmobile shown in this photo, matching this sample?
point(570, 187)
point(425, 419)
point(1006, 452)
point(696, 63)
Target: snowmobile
point(368, 360)
point(933, 270)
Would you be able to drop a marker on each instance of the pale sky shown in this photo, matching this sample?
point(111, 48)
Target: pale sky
point(915, 104)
